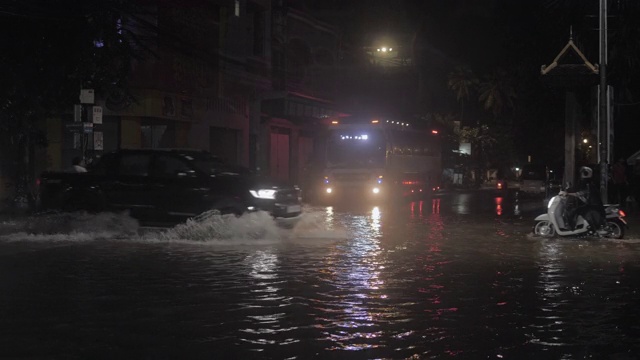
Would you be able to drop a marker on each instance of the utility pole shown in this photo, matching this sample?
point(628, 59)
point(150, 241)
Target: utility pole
point(603, 124)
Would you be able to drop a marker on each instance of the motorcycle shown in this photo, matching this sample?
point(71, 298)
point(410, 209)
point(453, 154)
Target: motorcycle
point(554, 223)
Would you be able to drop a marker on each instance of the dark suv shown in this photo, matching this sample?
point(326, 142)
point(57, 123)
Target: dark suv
point(166, 186)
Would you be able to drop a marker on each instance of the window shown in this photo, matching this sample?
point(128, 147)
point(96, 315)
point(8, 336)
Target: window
point(171, 167)
point(134, 165)
point(258, 33)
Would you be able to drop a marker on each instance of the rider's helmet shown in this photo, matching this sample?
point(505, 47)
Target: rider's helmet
point(586, 172)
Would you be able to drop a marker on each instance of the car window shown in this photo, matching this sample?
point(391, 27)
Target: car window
point(171, 167)
point(210, 165)
point(103, 165)
point(134, 165)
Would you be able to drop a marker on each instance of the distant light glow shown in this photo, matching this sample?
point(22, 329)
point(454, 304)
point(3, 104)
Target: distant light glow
point(355, 137)
point(376, 190)
point(329, 190)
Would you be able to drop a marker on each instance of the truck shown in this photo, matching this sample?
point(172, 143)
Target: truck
point(377, 159)
point(165, 187)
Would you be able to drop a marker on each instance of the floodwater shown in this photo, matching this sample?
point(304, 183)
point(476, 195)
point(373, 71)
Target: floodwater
point(453, 277)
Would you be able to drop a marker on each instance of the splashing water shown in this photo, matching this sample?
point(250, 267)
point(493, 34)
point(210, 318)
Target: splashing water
point(213, 226)
point(70, 226)
point(208, 227)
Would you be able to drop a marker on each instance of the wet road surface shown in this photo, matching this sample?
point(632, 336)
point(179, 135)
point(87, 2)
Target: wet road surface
point(458, 276)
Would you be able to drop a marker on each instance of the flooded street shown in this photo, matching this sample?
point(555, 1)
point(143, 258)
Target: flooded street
point(458, 276)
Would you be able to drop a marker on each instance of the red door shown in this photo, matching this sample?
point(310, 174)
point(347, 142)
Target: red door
point(279, 159)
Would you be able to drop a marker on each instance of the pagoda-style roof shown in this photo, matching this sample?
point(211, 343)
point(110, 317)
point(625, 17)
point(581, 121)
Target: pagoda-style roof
point(570, 68)
point(570, 59)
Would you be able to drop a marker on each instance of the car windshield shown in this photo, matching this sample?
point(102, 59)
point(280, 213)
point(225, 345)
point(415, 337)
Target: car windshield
point(353, 148)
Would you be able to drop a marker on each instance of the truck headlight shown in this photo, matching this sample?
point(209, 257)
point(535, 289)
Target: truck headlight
point(263, 193)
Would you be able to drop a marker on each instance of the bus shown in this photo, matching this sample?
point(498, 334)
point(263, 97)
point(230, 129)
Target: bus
point(375, 159)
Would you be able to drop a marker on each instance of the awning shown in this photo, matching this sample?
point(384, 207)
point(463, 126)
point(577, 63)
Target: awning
point(298, 107)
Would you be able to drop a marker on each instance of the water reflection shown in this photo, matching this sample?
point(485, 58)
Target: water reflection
point(329, 218)
point(550, 329)
point(417, 207)
point(499, 205)
point(354, 306)
point(462, 203)
point(264, 293)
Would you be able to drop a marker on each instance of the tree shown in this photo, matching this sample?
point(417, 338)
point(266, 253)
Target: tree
point(497, 93)
point(462, 81)
point(48, 52)
point(483, 141)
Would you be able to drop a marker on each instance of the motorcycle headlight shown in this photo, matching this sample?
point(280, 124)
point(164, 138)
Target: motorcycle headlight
point(263, 193)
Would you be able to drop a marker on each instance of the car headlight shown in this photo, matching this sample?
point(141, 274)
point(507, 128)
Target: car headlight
point(263, 193)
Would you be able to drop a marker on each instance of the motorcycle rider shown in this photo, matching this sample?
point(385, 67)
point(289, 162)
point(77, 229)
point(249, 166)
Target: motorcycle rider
point(590, 203)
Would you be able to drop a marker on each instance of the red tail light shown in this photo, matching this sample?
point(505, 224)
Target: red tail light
point(621, 213)
point(411, 182)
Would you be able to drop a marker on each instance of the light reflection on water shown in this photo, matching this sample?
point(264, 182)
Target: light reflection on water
point(422, 280)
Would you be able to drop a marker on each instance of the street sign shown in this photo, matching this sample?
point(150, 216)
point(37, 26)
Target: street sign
point(97, 114)
point(75, 127)
point(98, 141)
point(87, 96)
point(82, 127)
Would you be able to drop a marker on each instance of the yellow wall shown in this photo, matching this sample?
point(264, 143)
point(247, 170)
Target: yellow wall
point(130, 137)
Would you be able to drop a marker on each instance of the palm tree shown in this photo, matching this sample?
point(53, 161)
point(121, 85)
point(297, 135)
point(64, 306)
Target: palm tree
point(462, 81)
point(497, 93)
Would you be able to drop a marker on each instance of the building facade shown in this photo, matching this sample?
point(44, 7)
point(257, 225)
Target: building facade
point(248, 80)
